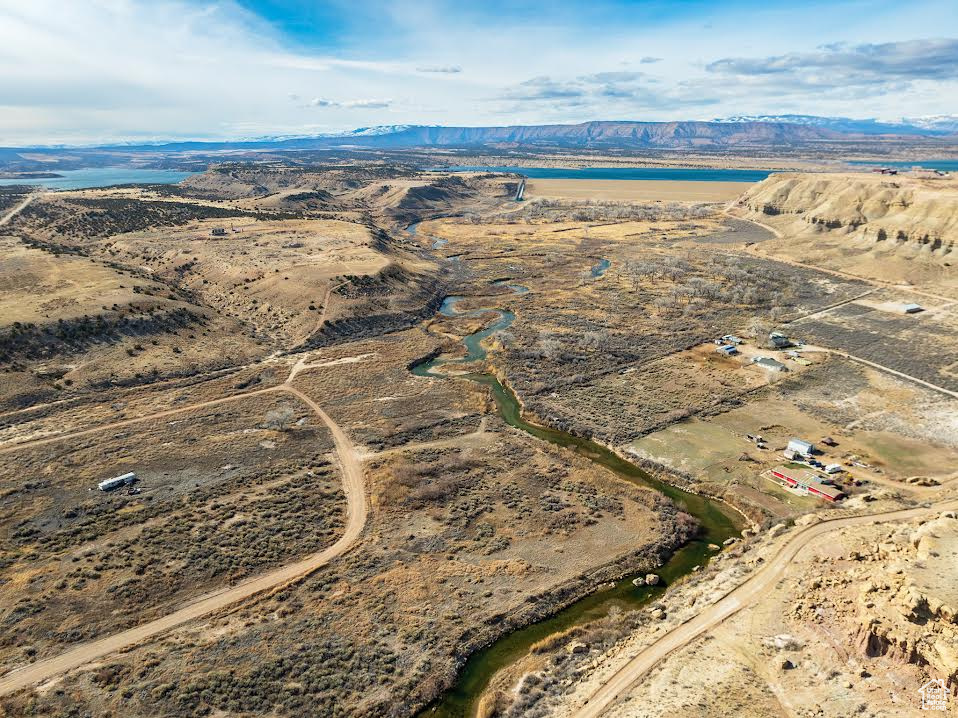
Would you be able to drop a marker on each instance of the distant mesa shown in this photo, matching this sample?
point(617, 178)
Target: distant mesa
point(29, 175)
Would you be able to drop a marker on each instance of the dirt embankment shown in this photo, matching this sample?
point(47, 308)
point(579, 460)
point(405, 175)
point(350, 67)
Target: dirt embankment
point(917, 213)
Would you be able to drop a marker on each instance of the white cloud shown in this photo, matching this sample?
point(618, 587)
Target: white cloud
point(96, 70)
point(444, 69)
point(127, 69)
point(362, 104)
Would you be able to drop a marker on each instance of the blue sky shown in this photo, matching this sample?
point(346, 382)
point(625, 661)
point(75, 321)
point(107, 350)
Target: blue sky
point(102, 70)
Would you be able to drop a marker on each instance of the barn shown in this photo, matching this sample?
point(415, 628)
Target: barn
point(806, 482)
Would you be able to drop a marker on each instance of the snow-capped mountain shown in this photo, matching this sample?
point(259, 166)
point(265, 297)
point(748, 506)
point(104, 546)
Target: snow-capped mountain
point(936, 125)
point(374, 131)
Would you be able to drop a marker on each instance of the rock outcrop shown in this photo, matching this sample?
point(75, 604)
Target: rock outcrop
point(913, 213)
point(906, 611)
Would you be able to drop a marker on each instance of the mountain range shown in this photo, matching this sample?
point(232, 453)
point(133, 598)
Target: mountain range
point(931, 126)
point(742, 132)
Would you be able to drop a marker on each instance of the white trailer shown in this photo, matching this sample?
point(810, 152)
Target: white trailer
point(117, 481)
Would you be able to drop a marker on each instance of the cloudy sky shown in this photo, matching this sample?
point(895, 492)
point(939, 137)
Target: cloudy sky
point(79, 71)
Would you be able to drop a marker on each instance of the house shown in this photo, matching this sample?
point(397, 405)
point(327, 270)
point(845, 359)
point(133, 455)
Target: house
point(769, 363)
point(728, 350)
point(911, 308)
point(218, 232)
point(116, 482)
point(801, 447)
point(779, 340)
point(807, 483)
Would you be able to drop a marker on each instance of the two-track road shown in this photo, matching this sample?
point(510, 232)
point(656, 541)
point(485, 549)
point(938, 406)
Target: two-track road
point(746, 594)
point(356, 508)
point(5, 219)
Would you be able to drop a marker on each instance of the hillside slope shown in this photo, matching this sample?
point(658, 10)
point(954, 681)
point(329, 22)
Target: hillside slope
point(922, 214)
point(900, 229)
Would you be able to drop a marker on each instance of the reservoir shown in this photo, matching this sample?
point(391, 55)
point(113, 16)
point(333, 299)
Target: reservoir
point(941, 165)
point(679, 174)
point(99, 177)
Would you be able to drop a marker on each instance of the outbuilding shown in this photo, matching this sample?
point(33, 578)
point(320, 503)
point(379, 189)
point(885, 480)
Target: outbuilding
point(912, 308)
point(117, 481)
point(806, 482)
point(779, 340)
point(801, 447)
point(770, 364)
point(833, 468)
point(728, 350)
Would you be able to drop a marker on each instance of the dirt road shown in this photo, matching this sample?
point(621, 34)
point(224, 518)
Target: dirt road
point(754, 250)
point(356, 511)
point(322, 316)
point(137, 419)
point(895, 372)
point(16, 210)
point(749, 592)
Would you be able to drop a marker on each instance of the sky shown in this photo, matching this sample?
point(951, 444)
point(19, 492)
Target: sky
point(94, 71)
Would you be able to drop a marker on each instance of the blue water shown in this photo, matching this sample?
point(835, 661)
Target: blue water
point(685, 174)
point(599, 269)
point(101, 177)
point(516, 288)
point(943, 165)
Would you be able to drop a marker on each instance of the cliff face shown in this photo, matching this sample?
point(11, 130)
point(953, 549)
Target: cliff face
point(907, 609)
point(920, 214)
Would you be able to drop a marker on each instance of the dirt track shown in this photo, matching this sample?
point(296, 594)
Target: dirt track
point(353, 484)
point(16, 210)
point(744, 595)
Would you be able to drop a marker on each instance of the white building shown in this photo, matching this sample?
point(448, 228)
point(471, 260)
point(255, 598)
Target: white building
point(116, 482)
point(801, 447)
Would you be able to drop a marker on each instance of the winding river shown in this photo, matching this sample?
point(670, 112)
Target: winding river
point(718, 522)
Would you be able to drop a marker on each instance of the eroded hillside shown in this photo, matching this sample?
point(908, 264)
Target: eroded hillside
point(891, 228)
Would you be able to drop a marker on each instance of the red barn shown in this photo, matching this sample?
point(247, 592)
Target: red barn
point(807, 482)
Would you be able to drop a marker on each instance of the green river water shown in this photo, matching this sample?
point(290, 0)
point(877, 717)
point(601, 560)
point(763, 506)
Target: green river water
point(718, 522)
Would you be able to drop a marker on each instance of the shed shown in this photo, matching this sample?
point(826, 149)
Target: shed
point(912, 308)
point(218, 232)
point(779, 340)
point(769, 363)
point(727, 349)
point(732, 339)
point(833, 468)
point(801, 447)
